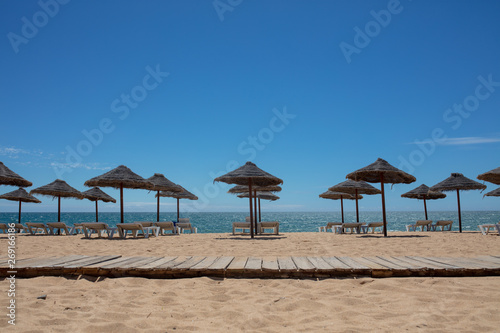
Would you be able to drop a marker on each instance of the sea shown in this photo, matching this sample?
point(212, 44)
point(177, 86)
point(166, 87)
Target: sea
point(289, 222)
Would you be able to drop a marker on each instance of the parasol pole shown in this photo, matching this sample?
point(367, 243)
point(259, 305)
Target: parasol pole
point(59, 209)
point(251, 210)
point(177, 209)
point(19, 211)
point(158, 208)
point(383, 203)
point(121, 202)
point(459, 212)
point(96, 212)
point(425, 207)
point(260, 219)
point(357, 209)
point(255, 210)
point(342, 207)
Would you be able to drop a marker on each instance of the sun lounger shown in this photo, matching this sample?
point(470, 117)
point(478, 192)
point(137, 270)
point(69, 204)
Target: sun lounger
point(424, 224)
point(329, 226)
point(99, 228)
point(34, 227)
point(20, 228)
point(269, 225)
point(372, 225)
point(4, 227)
point(352, 227)
point(136, 228)
point(497, 226)
point(59, 226)
point(146, 223)
point(166, 226)
point(444, 224)
point(485, 228)
point(184, 224)
point(77, 228)
point(242, 226)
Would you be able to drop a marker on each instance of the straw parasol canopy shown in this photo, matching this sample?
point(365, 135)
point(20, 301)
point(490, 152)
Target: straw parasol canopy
point(422, 192)
point(355, 187)
point(19, 195)
point(96, 194)
point(264, 195)
point(184, 194)
point(120, 177)
point(458, 182)
point(244, 189)
point(58, 189)
point(250, 175)
point(9, 177)
point(339, 195)
point(494, 193)
point(382, 172)
point(492, 176)
point(161, 183)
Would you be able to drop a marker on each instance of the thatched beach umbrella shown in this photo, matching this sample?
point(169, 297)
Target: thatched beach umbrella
point(422, 192)
point(264, 195)
point(382, 172)
point(339, 195)
point(19, 195)
point(355, 188)
point(494, 193)
point(244, 189)
point(492, 176)
point(457, 182)
point(162, 184)
point(60, 189)
point(250, 175)
point(96, 194)
point(120, 177)
point(183, 194)
point(9, 177)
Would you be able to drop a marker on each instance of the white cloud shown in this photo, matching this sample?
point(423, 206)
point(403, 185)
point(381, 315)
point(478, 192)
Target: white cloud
point(468, 140)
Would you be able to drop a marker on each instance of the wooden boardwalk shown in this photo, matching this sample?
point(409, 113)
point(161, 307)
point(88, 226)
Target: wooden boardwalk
point(251, 267)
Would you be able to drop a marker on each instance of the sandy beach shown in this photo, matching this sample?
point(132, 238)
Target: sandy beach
point(259, 305)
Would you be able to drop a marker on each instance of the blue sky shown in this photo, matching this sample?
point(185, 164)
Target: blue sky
point(308, 90)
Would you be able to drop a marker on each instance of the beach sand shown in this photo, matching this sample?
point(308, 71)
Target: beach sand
point(258, 305)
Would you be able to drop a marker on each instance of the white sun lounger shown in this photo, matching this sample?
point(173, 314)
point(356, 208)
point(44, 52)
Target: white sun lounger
point(243, 226)
point(53, 226)
point(444, 224)
point(99, 228)
point(269, 225)
point(329, 226)
point(352, 227)
point(372, 225)
point(184, 224)
point(35, 227)
point(424, 224)
point(166, 226)
point(485, 228)
point(135, 228)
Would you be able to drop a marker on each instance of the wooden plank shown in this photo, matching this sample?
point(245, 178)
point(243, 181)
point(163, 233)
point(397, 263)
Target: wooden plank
point(155, 264)
point(425, 265)
point(386, 263)
point(270, 264)
point(286, 264)
point(172, 263)
point(104, 263)
point(6, 263)
point(202, 265)
point(336, 263)
point(124, 263)
point(45, 262)
point(27, 262)
point(320, 264)
point(138, 263)
point(303, 264)
point(490, 259)
point(369, 263)
point(352, 264)
point(253, 264)
point(221, 263)
point(91, 261)
point(432, 263)
point(412, 266)
point(188, 263)
point(238, 264)
point(467, 263)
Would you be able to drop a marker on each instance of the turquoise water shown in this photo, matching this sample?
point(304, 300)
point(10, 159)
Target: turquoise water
point(289, 222)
